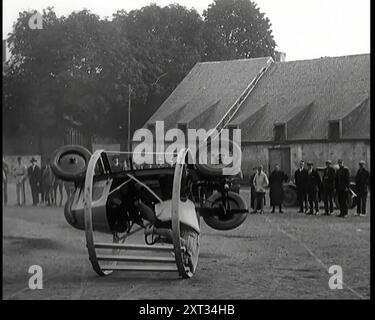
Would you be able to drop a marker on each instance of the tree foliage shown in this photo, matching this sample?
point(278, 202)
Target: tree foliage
point(237, 29)
point(76, 70)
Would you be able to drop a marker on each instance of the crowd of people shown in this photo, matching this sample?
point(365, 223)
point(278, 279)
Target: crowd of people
point(311, 188)
point(44, 185)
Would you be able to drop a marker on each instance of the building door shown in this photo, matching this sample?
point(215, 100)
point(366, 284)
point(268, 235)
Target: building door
point(279, 156)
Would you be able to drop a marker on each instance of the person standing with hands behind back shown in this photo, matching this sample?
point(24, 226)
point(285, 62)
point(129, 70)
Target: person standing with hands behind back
point(328, 187)
point(342, 188)
point(34, 174)
point(300, 178)
point(313, 183)
point(277, 177)
point(260, 183)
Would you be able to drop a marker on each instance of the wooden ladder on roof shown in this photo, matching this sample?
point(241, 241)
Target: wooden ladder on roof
point(225, 120)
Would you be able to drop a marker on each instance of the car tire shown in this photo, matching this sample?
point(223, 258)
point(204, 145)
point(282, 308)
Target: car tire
point(230, 221)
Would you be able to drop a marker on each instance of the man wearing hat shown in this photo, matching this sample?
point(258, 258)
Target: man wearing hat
point(362, 181)
point(116, 166)
point(342, 187)
point(34, 174)
point(328, 187)
point(312, 182)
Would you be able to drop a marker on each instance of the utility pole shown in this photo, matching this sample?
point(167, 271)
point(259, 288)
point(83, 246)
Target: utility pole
point(129, 114)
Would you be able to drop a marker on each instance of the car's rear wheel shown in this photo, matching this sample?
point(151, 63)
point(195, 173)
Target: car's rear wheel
point(226, 221)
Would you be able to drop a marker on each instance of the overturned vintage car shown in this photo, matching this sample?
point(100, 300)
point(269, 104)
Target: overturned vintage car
point(166, 202)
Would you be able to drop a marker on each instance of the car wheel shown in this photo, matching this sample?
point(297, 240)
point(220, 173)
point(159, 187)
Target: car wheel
point(69, 163)
point(228, 221)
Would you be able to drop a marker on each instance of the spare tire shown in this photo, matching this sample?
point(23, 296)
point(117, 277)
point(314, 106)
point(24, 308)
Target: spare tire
point(227, 221)
point(69, 163)
point(208, 169)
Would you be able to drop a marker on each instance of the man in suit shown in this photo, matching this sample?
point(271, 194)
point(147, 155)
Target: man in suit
point(300, 181)
point(362, 182)
point(328, 187)
point(312, 186)
point(342, 188)
point(34, 174)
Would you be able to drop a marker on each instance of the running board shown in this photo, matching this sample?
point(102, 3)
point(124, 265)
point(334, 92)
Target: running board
point(135, 258)
point(99, 245)
point(172, 268)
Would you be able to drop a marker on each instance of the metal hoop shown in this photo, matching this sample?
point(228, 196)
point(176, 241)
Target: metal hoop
point(116, 244)
point(87, 201)
point(176, 232)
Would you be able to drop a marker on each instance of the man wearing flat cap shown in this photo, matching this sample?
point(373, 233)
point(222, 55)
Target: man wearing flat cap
point(328, 187)
point(342, 188)
point(362, 182)
point(313, 183)
point(34, 175)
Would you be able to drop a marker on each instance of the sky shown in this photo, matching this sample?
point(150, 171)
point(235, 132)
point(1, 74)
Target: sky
point(303, 29)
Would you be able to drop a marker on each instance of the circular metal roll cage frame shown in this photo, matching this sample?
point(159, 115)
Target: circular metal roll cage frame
point(174, 264)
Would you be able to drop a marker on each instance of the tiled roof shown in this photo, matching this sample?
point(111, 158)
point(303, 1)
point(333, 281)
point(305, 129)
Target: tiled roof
point(209, 84)
point(304, 95)
point(332, 87)
point(357, 123)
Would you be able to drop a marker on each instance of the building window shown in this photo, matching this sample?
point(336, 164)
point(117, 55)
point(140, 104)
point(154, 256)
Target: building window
point(334, 130)
point(280, 132)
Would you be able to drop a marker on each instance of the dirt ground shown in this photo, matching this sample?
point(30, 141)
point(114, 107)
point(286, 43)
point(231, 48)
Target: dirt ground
point(269, 256)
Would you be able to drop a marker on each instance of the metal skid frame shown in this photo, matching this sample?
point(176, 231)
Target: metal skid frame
point(172, 263)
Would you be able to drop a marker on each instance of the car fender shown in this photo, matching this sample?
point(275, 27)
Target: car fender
point(187, 213)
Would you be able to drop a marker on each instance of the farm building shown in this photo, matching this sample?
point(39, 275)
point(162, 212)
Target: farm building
point(312, 109)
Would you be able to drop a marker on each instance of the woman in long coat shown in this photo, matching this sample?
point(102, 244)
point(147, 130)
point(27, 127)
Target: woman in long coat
point(276, 180)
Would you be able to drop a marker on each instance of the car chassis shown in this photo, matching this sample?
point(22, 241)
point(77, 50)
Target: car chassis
point(165, 202)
